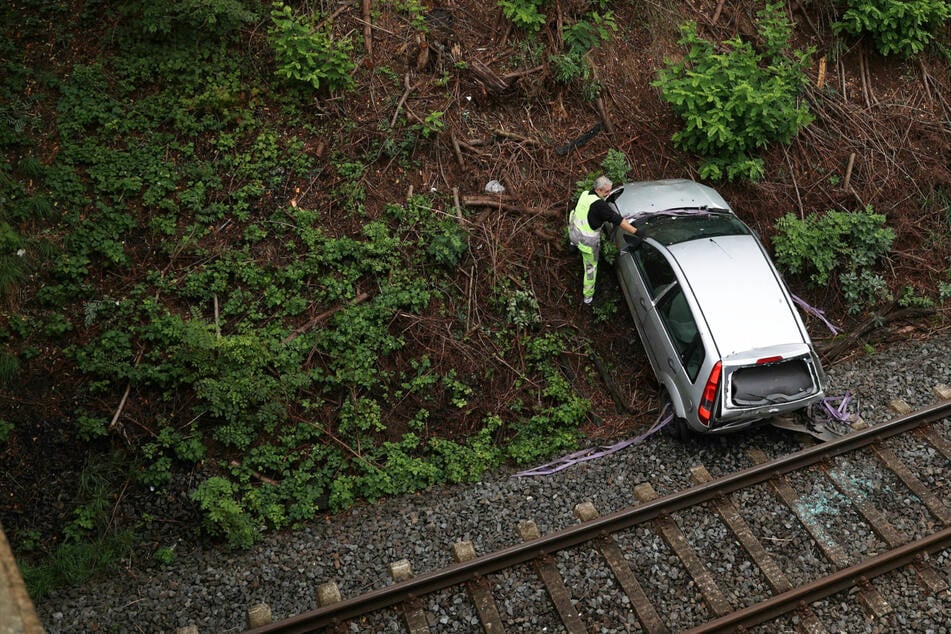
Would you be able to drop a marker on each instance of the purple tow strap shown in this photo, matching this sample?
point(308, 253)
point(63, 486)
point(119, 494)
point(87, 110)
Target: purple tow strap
point(837, 407)
point(816, 312)
point(591, 453)
point(835, 413)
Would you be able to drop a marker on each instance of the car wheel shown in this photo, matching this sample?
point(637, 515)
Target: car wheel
point(677, 427)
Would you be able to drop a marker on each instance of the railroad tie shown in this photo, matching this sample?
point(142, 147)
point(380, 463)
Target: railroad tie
point(893, 462)
point(611, 552)
point(770, 569)
point(554, 584)
point(927, 575)
point(691, 561)
point(413, 613)
point(833, 551)
point(937, 440)
point(480, 591)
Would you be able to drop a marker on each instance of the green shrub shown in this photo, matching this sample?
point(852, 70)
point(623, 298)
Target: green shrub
point(165, 18)
point(556, 427)
point(579, 38)
point(521, 309)
point(469, 462)
point(616, 166)
point(944, 291)
point(169, 445)
point(848, 244)
point(911, 299)
point(164, 555)
point(224, 515)
point(416, 12)
point(6, 428)
point(736, 99)
point(446, 242)
point(90, 427)
point(902, 27)
point(524, 14)
point(9, 365)
point(309, 56)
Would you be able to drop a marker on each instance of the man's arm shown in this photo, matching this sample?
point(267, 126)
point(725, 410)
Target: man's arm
point(628, 227)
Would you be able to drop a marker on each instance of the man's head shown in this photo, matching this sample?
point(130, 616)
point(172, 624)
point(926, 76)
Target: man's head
point(602, 186)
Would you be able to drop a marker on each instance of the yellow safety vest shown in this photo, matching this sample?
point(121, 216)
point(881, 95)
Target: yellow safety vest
point(579, 231)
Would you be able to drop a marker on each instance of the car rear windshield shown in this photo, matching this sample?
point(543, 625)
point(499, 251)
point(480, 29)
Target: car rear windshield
point(682, 226)
point(772, 383)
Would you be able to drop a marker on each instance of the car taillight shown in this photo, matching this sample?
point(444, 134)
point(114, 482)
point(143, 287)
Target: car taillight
point(705, 411)
point(766, 360)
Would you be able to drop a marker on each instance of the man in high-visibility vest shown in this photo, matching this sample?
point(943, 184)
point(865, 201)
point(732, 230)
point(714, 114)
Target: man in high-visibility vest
point(584, 229)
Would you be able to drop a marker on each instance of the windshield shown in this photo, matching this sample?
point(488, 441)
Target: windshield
point(674, 227)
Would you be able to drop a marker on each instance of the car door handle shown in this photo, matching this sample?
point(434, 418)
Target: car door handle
point(671, 363)
point(643, 303)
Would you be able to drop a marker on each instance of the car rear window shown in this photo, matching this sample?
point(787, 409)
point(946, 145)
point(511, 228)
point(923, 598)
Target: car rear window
point(772, 383)
point(682, 226)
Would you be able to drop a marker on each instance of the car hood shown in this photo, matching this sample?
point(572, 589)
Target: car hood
point(742, 299)
point(662, 195)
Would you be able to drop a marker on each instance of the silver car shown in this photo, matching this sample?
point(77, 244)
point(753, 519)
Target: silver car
point(717, 322)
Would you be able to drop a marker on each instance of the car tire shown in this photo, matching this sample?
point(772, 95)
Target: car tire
point(677, 427)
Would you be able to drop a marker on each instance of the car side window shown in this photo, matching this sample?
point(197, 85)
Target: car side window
point(682, 328)
point(655, 268)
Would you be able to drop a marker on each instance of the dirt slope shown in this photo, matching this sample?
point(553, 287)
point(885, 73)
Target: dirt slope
point(882, 137)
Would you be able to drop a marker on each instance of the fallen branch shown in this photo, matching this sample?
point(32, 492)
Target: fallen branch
point(497, 203)
point(604, 116)
point(402, 100)
point(471, 146)
point(609, 382)
point(455, 200)
point(848, 172)
point(258, 476)
point(125, 396)
point(836, 348)
point(359, 299)
point(456, 150)
point(487, 77)
point(866, 83)
point(330, 17)
point(367, 31)
point(792, 174)
point(356, 454)
point(522, 73)
point(515, 136)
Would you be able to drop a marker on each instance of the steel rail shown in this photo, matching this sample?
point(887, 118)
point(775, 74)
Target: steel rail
point(844, 579)
point(555, 541)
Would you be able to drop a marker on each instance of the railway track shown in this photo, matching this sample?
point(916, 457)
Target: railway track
point(858, 473)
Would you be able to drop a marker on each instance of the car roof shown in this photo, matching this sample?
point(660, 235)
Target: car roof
point(662, 195)
point(740, 295)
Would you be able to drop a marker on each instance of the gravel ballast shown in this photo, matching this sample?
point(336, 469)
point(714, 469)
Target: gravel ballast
point(212, 588)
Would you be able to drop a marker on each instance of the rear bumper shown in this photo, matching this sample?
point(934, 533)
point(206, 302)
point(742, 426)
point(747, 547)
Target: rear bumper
point(738, 419)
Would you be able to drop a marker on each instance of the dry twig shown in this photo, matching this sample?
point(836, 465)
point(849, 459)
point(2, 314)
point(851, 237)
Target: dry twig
point(408, 89)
